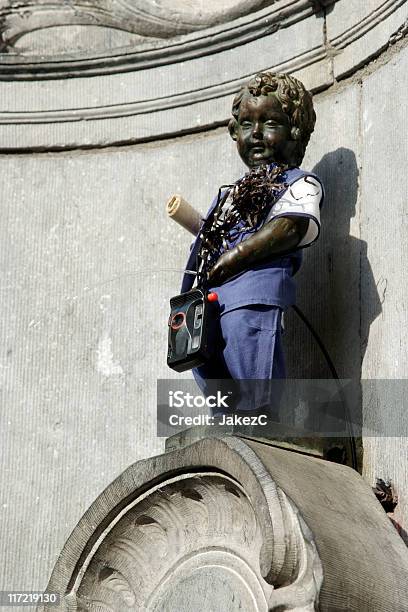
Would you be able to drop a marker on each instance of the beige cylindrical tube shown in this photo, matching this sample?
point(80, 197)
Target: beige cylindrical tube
point(182, 212)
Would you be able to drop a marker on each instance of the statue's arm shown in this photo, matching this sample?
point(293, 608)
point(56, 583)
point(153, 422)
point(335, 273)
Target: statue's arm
point(275, 238)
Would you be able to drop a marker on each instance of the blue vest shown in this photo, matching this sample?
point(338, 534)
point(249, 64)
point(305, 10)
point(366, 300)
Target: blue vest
point(268, 283)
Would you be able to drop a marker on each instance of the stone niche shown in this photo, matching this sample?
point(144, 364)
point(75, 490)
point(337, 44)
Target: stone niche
point(157, 68)
point(228, 524)
point(79, 368)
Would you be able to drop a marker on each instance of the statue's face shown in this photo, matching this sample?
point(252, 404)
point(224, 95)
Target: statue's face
point(263, 134)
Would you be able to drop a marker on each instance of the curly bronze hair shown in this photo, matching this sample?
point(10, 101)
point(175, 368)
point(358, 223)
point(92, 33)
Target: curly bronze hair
point(296, 102)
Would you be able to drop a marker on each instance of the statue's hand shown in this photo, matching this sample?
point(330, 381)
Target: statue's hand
point(225, 267)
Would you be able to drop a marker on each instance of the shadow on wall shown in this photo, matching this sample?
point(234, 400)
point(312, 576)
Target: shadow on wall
point(330, 282)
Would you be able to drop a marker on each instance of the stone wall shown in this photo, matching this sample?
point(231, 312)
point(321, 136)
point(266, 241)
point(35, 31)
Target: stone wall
point(89, 259)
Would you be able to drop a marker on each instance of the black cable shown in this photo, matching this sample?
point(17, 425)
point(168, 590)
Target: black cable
point(333, 371)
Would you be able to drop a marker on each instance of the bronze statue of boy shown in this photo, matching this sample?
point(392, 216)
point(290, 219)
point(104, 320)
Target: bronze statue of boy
point(253, 266)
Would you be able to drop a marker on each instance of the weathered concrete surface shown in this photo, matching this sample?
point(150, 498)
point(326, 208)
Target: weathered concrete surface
point(359, 272)
point(384, 227)
point(88, 262)
point(357, 30)
point(328, 285)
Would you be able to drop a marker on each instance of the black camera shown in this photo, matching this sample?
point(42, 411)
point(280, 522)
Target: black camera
point(192, 322)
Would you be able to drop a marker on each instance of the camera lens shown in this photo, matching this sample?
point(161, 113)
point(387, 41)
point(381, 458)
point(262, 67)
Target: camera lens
point(178, 320)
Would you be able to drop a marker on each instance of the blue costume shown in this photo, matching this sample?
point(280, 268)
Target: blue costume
point(249, 339)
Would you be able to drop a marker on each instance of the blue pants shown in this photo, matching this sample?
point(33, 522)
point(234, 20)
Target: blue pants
point(248, 348)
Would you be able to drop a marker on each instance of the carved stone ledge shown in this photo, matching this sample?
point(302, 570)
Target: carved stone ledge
point(145, 99)
point(358, 36)
point(187, 534)
point(183, 85)
point(227, 525)
point(247, 26)
point(164, 19)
